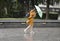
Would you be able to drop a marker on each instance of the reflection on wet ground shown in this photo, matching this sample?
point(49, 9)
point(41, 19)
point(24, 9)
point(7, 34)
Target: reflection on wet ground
point(28, 37)
point(41, 34)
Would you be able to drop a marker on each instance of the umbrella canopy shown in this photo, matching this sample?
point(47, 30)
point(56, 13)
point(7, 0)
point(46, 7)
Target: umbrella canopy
point(39, 11)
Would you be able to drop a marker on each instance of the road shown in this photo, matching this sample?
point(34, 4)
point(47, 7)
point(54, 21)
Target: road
point(41, 34)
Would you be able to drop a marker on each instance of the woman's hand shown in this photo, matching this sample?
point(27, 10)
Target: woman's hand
point(27, 21)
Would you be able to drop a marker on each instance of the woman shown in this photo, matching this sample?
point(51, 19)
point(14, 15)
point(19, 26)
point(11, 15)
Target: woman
point(30, 21)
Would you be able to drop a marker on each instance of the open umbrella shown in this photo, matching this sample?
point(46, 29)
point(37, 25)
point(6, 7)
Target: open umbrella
point(39, 11)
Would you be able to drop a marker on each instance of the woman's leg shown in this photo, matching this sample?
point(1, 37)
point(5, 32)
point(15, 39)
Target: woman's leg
point(31, 29)
point(27, 28)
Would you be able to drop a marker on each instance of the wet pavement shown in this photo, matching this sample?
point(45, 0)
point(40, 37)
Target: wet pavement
point(41, 34)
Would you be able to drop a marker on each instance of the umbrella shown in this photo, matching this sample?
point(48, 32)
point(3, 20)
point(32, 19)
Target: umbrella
point(39, 11)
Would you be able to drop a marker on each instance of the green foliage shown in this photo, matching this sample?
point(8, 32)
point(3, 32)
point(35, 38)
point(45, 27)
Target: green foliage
point(15, 9)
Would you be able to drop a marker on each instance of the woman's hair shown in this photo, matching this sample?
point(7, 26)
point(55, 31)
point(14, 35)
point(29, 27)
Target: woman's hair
point(32, 8)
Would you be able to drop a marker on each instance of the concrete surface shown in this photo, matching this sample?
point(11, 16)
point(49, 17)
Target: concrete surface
point(21, 23)
point(41, 34)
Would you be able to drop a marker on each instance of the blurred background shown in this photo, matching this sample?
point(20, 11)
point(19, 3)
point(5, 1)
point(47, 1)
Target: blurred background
point(18, 8)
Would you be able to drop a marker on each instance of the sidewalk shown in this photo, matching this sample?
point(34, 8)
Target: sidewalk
point(21, 23)
point(36, 20)
point(41, 34)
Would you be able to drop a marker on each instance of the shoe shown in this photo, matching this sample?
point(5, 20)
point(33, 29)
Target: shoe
point(32, 32)
point(25, 31)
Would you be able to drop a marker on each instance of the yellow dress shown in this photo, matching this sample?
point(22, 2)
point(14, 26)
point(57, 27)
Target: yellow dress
point(31, 17)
